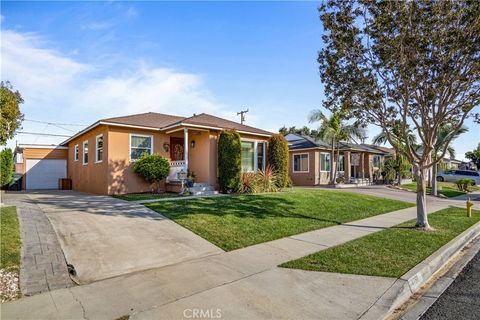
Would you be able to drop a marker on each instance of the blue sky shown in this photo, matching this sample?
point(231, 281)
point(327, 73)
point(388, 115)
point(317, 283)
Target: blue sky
point(77, 62)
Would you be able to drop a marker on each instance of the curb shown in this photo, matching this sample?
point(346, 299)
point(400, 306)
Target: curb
point(429, 297)
point(402, 289)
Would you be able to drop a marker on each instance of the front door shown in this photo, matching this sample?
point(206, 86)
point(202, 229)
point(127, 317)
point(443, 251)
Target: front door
point(177, 149)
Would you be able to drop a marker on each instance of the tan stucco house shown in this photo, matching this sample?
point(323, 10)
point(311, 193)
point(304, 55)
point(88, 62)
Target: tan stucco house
point(310, 162)
point(99, 158)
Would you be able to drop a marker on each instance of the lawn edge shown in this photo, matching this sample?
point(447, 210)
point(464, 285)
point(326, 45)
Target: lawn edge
point(405, 286)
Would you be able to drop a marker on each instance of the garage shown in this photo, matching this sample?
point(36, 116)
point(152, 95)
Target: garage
point(41, 166)
point(44, 173)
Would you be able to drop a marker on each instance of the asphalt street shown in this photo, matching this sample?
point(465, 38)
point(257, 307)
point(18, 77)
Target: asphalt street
point(461, 300)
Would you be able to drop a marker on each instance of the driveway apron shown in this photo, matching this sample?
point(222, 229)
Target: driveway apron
point(103, 237)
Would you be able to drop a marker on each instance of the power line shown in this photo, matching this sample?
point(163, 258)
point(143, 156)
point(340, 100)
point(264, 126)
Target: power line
point(56, 123)
point(44, 134)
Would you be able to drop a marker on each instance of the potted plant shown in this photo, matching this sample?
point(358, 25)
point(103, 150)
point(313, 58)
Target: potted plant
point(190, 179)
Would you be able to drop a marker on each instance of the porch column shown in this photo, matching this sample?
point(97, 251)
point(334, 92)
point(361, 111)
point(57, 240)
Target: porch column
point(255, 155)
point(346, 162)
point(185, 147)
point(370, 166)
point(362, 166)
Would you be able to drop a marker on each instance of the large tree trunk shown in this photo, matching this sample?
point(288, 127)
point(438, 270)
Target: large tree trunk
point(434, 184)
point(158, 186)
point(422, 218)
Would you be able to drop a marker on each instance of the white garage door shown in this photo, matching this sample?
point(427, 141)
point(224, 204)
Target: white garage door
point(44, 173)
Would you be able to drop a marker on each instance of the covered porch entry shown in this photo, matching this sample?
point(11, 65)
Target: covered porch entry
point(192, 150)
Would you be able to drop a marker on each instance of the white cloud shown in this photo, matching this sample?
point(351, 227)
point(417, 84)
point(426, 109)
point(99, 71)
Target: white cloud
point(57, 88)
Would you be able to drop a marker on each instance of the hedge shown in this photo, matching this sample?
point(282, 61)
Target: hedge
point(278, 159)
point(6, 167)
point(229, 161)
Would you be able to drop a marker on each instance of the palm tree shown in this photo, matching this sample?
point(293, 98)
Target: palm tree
point(333, 130)
point(444, 133)
point(398, 145)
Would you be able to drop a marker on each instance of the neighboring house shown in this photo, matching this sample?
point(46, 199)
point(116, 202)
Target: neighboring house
point(456, 164)
point(310, 161)
point(99, 158)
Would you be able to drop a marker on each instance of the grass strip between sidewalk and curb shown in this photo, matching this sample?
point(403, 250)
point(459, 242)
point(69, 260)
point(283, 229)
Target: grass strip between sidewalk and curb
point(391, 252)
point(234, 222)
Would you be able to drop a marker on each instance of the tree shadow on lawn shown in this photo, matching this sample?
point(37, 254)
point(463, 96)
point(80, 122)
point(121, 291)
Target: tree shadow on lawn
point(247, 206)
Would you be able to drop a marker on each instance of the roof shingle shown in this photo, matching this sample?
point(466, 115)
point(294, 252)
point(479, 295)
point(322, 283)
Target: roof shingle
point(160, 121)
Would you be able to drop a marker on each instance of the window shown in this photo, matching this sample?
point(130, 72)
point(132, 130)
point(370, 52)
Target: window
point(75, 153)
point(85, 152)
point(247, 156)
point(300, 162)
point(376, 161)
point(99, 148)
point(324, 162)
point(140, 144)
point(261, 156)
point(341, 163)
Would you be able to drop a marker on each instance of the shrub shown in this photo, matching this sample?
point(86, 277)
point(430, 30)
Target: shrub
point(153, 168)
point(229, 161)
point(6, 167)
point(464, 183)
point(261, 181)
point(249, 183)
point(389, 168)
point(278, 159)
point(267, 179)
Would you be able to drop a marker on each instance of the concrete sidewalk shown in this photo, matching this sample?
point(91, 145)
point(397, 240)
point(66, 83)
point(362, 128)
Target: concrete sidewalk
point(244, 283)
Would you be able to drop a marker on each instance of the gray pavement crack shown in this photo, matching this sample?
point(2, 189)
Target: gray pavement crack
point(84, 316)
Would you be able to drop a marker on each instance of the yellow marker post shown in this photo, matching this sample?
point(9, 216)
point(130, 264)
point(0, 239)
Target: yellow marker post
point(469, 208)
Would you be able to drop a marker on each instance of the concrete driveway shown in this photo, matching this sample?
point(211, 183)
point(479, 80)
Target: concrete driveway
point(103, 237)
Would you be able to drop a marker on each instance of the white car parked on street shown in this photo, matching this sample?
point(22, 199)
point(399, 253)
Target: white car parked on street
point(455, 175)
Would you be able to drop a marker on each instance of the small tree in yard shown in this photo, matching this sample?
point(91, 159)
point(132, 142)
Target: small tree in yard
point(474, 156)
point(11, 117)
point(153, 168)
point(278, 159)
point(229, 161)
point(416, 63)
point(6, 167)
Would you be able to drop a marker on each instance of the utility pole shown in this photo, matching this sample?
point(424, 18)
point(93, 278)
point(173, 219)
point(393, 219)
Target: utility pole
point(242, 115)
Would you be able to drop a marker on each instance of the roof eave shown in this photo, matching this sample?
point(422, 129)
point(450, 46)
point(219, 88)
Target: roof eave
point(100, 122)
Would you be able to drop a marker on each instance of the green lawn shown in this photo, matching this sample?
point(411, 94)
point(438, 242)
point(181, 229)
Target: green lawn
point(10, 239)
point(449, 189)
point(234, 222)
point(392, 252)
point(145, 196)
